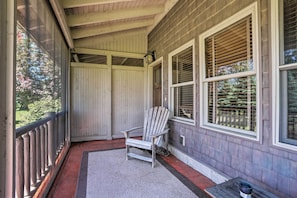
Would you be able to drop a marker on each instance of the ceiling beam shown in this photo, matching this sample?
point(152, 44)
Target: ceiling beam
point(90, 41)
point(80, 3)
point(116, 27)
point(106, 53)
point(61, 17)
point(77, 20)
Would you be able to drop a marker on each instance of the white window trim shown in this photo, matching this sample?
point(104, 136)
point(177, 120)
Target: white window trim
point(191, 43)
point(250, 10)
point(276, 68)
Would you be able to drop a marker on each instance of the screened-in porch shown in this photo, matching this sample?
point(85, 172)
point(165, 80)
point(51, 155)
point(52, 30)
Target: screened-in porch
point(75, 74)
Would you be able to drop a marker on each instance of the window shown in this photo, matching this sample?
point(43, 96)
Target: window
point(181, 82)
point(284, 34)
point(228, 62)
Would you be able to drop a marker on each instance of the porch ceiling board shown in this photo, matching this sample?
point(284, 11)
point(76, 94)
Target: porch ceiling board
point(89, 41)
point(116, 27)
point(84, 20)
point(98, 17)
point(80, 3)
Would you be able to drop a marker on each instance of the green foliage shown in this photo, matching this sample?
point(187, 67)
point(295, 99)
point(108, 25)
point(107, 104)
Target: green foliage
point(37, 110)
point(38, 79)
point(21, 118)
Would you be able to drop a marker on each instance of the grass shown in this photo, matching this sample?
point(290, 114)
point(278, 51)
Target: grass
point(21, 118)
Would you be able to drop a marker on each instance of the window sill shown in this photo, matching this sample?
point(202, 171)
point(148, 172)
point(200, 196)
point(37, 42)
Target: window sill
point(183, 120)
point(285, 146)
point(231, 131)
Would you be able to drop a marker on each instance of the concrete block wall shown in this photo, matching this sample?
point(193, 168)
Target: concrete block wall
point(259, 162)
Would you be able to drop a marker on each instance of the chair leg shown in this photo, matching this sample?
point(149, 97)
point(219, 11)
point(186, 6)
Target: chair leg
point(153, 155)
point(127, 151)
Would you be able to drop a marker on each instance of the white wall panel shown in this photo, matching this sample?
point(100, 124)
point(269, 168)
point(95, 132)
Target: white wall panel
point(127, 98)
point(90, 105)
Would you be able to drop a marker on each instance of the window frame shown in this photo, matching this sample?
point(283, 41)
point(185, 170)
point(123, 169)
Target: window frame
point(253, 11)
point(171, 86)
point(277, 67)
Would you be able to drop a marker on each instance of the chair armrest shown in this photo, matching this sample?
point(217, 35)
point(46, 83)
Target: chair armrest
point(164, 132)
point(156, 136)
point(126, 132)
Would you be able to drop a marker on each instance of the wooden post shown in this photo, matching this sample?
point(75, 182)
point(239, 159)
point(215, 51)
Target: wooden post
point(7, 100)
point(19, 191)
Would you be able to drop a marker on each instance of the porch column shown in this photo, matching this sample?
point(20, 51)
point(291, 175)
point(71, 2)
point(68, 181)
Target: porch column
point(109, 63)
point(7, 88)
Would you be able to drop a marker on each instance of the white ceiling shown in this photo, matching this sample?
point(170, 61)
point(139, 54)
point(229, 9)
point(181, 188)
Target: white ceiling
point(82, 19)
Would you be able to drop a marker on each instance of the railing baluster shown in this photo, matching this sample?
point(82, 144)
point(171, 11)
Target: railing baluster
point(63, 129)
point(37, 147)
point(56, 136)
point(38, 153)
point(19, 167)
point(59, 132)
point(26, 164)
point(51, 142)
point(46, 146)
point(42, 150)
point(32, 157)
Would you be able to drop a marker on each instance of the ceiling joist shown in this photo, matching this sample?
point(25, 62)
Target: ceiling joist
point(80, 3)
point(116, 27)
point(90, 41)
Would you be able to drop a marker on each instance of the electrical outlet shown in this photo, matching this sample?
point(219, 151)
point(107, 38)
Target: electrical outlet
point(182, 140)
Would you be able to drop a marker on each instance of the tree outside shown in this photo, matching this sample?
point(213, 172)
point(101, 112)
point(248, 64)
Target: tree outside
point(38, 80)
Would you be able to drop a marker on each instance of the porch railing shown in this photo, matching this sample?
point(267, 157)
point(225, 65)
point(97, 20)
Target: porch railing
point(38, 145)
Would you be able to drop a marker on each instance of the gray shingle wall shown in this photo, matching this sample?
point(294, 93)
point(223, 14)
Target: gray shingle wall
point(258, 162)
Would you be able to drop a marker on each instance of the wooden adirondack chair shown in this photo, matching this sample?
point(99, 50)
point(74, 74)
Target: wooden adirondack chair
point(155, 122)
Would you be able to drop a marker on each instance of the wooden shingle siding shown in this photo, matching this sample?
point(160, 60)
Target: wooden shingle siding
point(256, 161)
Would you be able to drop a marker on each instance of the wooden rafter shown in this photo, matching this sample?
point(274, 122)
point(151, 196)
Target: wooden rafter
point(116, 27)
point(80, 3)
point(77, 20)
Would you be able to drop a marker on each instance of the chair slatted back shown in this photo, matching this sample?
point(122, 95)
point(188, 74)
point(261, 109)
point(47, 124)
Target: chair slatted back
point(154, 122)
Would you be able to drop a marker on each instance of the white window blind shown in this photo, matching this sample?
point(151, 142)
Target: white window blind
point(182, 66)
point(230, 50)
point(182, 85)
point(231, 86)
point(290, 31)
